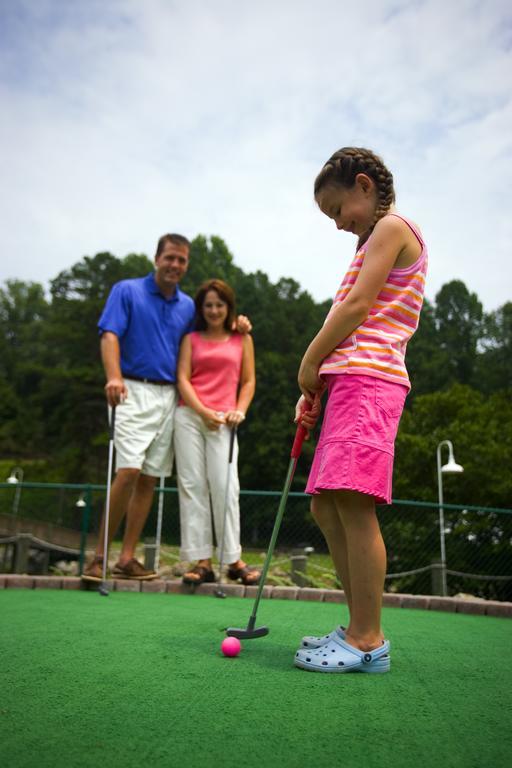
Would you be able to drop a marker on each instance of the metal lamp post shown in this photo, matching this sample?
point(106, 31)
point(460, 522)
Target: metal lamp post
point(450, 468)
point(82, 505)
point(16, 478)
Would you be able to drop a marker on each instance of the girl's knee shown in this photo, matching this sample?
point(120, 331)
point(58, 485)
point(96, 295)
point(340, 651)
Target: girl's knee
point(353, 503)
point(357, 512)
point(324, 513)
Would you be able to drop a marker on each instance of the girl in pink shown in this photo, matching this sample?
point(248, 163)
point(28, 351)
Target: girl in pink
point(358, 357)
point(216, 380)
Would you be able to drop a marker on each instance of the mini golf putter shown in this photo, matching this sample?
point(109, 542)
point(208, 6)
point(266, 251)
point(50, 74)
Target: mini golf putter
point(103, 591)
point(251, 631)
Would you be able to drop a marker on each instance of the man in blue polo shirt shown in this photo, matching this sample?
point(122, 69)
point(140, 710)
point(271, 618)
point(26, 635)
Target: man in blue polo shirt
point(141, 328)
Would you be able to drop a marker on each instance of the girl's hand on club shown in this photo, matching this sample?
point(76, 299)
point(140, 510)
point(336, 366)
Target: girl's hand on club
point(115, 391)
point(309, 381)
point(234, 418)
point(212, 419)
point(308, 416)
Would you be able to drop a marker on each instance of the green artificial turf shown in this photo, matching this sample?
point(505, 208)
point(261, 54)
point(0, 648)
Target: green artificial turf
point(139, 680)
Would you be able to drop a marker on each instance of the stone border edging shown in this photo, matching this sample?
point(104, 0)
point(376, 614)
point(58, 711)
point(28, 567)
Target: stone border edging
point(176, 587)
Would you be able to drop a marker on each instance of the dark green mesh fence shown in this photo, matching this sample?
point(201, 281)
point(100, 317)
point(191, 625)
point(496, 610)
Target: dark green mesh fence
point(478, 541)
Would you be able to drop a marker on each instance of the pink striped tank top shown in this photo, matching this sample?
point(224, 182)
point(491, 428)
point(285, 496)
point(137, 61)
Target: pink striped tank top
point(216, 369)
point(377, 346)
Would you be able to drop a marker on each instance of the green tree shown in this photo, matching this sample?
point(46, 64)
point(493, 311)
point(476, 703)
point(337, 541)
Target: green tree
point(459, 318)
point(427, 359)
point(23, 313)
point(209, 258)
point(480, 429)
point(494, 363)
point(69, 389)
point(23, 309)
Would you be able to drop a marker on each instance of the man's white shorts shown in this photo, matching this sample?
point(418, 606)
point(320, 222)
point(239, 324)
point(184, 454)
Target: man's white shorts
point(144, 427)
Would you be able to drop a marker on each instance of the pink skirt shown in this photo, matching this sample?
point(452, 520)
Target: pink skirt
point(356, 447)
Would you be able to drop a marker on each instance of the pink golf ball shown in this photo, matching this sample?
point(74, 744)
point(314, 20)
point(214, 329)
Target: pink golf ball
point(231, 646)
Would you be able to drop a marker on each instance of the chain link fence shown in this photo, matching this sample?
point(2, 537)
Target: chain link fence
point(45, 524)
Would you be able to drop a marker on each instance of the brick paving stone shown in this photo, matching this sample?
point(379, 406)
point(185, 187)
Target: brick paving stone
point(421, 602)
point(496, 608)
point(391, 600)
point(2, 581)
point(19, 581)
point(155, 585)
point(335, 596)
point(252, 590)
point(47, 582)
point(475, 607)
point(127, 585)
point(71, 582)
point(442, 603)
point(311, 593)
point(285, 593)
point(209, 588)
point(93, 586)
point(177, 587)
point(233, 590)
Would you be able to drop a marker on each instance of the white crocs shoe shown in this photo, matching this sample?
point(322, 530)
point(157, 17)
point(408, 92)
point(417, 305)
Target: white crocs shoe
point(311, 641)
point(338, 656)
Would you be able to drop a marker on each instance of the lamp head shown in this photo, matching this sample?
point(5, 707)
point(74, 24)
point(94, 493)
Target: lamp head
point(16, 476)
point(452, 468)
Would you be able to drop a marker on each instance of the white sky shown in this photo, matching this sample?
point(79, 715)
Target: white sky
point(125, 119)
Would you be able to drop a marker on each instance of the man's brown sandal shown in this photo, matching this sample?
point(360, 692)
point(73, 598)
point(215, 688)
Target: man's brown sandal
point(247, 574)
point(204, 575)
point(93, 571)
point(133, 570)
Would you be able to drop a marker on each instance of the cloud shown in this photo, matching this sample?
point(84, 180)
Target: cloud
point(125, 120)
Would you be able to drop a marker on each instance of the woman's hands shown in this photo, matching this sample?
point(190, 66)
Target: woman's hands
point(212, 419)
point(234, 418)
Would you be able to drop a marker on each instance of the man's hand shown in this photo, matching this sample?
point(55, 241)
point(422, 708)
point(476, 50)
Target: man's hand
point(115, 391)
point(242, 324)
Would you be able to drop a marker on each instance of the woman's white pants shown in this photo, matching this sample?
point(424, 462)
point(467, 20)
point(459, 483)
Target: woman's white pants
point(202, 463)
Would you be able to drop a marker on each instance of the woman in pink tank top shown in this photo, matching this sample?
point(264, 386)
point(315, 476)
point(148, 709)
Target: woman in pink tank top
point(359, 358)
point(216, 380)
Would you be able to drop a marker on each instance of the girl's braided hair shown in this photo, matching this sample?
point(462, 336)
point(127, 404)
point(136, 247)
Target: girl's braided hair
point(342, 169)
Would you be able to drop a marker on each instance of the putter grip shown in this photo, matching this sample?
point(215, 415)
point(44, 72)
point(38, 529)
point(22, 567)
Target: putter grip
point(112, 424)
point(300, 434)
point(232, 443)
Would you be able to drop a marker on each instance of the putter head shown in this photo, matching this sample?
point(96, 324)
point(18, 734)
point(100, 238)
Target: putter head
point(103, 591)
point(247, 634)
point(220, 593)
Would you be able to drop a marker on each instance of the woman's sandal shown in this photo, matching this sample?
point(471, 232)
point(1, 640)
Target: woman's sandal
point(338, 656)
point(205, 575)
point(245, 574)
point(311, 641)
